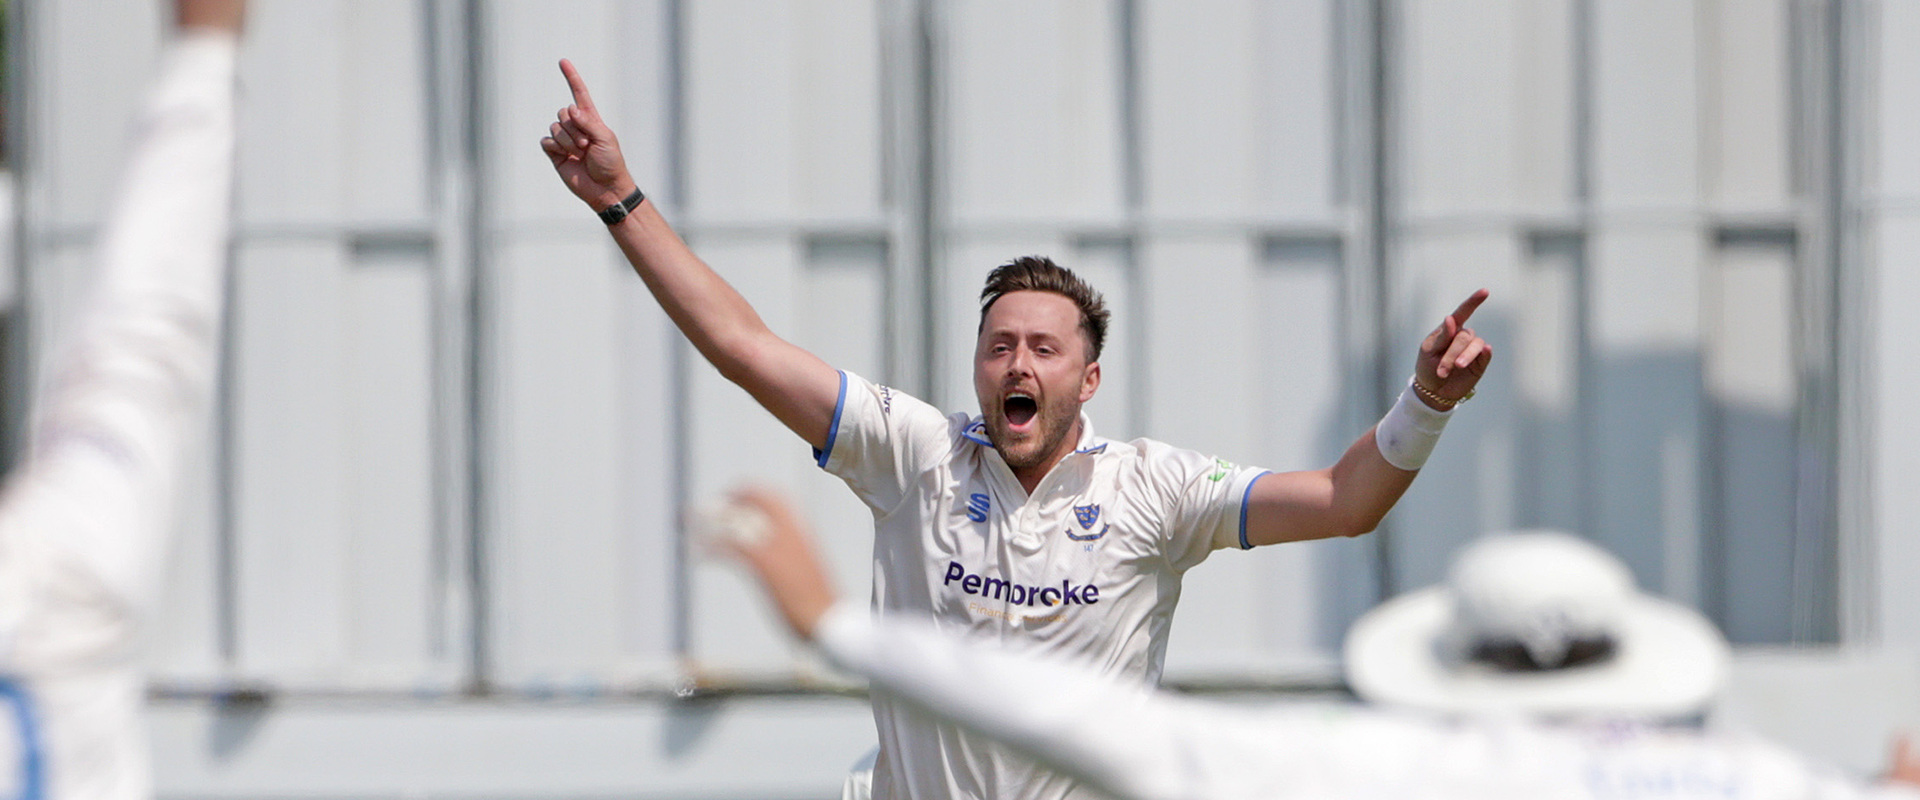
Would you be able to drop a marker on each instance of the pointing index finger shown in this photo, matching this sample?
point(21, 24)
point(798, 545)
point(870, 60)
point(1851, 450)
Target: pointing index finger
point(1468, 306)
point(578, 84)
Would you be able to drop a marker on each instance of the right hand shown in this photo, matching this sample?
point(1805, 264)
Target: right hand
point(584, 150)
point(1453, 358)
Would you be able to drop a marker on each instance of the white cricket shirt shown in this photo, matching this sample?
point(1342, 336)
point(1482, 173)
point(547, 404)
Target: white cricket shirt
point(1087, 568)
point(1143, 745)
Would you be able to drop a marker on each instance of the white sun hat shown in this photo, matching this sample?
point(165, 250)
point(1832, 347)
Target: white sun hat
point(1538, 623)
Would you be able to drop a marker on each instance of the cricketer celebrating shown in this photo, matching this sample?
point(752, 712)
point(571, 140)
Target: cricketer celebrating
point(1019, 523)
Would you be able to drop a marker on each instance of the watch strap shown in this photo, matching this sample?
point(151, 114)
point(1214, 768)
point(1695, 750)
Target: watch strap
point(618, 211)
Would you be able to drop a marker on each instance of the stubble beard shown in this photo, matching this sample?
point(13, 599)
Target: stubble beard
point(1055, 424)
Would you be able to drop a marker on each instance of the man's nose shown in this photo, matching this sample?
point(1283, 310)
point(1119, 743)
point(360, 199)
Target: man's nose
point(1022, 361)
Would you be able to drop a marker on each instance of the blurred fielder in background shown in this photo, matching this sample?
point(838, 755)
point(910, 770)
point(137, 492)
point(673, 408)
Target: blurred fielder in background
point(84, 520)
point(1018, 523)
point(1537, 672)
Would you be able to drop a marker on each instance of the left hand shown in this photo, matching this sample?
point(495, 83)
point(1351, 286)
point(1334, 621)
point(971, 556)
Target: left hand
point(782, 557)
point(1453, 358)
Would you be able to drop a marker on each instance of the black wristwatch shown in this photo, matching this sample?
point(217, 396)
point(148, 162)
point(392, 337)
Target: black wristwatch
point(618, 211)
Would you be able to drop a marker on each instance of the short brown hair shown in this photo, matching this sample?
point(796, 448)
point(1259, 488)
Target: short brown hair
point(1040, 274)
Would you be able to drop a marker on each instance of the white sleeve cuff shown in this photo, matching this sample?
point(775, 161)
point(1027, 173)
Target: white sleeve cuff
point(1409, 431)
point(845, 635)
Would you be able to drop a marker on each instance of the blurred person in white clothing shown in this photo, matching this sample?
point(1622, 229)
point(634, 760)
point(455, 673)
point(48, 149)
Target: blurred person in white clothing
point(1538, 671)
point(84, 518)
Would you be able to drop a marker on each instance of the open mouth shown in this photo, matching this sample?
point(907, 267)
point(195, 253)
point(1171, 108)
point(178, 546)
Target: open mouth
point(1020, 409)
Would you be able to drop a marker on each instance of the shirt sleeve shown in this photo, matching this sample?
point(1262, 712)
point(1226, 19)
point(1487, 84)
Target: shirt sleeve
point(129, 388)
point(1205, 499)
point(1125, 740)
point(881, 439)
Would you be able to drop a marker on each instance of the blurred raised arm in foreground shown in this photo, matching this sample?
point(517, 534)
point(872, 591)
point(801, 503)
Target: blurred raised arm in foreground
point(1135, 743)
point(84, 520)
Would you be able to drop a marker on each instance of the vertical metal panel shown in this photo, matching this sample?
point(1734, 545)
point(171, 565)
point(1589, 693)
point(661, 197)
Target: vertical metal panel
point(1745, 96)
point(92, 72)
point(1299, 422)
point(1459, 118)
point(336, 577)
point(742, 110)
point(838, 307)
point(1646, 394)
point(387, 153)
point(1646, 110)
point(783, 112)
point(1895, 244)
point(1547, 69)
point(455, 181)
point(1750, 379)
point(387, 386)
point(1748, 330)
point(1889, 197)
point(1846, 89)
point(556, 421)
point(649, 512)
point(651, 484)
point(1201, 101)
point(1548, 357)
point(1296, 127)
point(1200, 348)
point(293, 157)
point(1050, 148)
point(1896, 105)
point(291, 511)
point(333, 526)
point(1893, 240)
point(836, 82)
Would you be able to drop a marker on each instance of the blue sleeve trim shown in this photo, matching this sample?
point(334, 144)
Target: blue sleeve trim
point(820, 455)
point(33, 768)
point(1246, 497)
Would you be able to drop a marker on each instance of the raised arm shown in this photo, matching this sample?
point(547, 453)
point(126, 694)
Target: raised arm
point(128, 389)
point(799, 388)
point(1352, 496)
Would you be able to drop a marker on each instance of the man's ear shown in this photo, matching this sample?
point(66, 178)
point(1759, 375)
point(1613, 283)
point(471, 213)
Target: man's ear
point(1089, 381)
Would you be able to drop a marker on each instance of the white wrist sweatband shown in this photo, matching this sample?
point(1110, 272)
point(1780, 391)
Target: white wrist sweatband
point(1407, 434)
